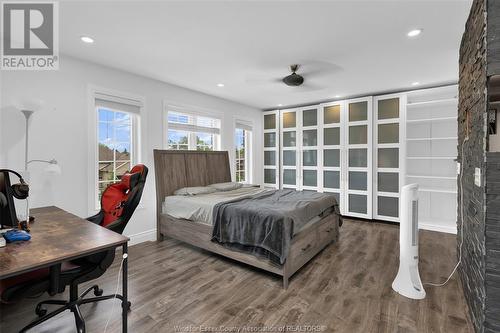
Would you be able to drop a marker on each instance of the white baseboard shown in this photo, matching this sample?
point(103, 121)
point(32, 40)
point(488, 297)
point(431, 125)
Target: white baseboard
point(148, 235)
point(439, 228)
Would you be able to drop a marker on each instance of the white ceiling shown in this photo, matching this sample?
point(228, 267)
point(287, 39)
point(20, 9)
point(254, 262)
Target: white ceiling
point(353, 47)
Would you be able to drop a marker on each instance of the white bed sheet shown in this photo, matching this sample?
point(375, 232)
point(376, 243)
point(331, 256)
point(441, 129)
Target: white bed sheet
point(199, 208)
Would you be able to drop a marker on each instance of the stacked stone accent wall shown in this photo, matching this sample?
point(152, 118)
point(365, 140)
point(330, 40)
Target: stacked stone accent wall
point(471, 120)
point(480, 269)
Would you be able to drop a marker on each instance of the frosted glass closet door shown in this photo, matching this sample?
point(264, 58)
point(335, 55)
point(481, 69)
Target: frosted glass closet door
point(271, 149)
point(388, 156)
point(332, 141)
point(358, 164)
point(290, 147)
point(310, 158)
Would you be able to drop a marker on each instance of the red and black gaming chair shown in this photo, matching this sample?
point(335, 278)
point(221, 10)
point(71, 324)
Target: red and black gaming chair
point(118, 203)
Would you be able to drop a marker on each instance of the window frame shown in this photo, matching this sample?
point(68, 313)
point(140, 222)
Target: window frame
point(248, 140)
point(193, 142)
point(137, 121)
point(134, 146)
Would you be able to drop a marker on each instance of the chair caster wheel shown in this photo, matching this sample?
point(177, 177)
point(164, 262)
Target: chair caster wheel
point(41, 312)
point(129, 305)
point(98, 292)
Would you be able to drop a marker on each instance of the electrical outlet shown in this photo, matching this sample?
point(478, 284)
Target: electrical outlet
point(458, 168)
point(477, 177)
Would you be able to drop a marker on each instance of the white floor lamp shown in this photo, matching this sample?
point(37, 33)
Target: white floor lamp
point(52, 167)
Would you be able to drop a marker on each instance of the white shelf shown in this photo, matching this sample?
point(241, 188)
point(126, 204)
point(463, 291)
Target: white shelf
point(430, 120)
point(439, 225)
point(433, 102)
point(431, 177)
point(430, 220)
point(424, 189)
point(431, 157)
point(432, 139)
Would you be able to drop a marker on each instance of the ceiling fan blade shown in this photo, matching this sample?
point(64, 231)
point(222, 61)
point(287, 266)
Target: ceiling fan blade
point(258, 81)
point(262, 80)
point(308, 86)
point(316, 69)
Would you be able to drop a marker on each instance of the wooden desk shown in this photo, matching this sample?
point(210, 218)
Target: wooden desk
point(58, 236)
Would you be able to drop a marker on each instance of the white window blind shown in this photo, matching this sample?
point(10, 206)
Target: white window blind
point(189, 123)
point(244, 125)
point(118, 103)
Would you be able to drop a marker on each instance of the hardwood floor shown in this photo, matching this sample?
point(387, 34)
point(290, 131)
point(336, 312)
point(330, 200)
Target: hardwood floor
point(346, 288)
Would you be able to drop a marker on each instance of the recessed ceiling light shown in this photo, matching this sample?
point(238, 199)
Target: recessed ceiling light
point(87, 39)
point(280, 104)
point(337, 96)
point(415, 83)
point(414, 32)
point(220, 85)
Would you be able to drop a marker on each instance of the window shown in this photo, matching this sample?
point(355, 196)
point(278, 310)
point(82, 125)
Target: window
point(117, 144)
point(178, 140)
point(192, 132)
point(205, 141)
point(243, 152)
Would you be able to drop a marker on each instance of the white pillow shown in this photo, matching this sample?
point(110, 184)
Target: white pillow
point(195, 190)
point(229, 186)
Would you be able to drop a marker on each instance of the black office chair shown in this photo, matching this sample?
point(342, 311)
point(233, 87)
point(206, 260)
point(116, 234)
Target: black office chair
point(118, 203)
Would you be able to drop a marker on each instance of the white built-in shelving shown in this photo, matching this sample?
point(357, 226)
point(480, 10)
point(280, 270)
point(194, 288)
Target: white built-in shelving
point(431, 152)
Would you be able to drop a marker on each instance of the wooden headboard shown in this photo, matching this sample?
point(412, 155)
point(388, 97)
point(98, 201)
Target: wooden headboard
point(175, 169)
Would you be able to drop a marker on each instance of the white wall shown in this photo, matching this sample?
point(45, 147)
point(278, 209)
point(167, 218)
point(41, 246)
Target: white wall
point(60, 130)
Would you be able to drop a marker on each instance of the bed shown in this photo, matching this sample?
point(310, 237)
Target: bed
point(178, 169)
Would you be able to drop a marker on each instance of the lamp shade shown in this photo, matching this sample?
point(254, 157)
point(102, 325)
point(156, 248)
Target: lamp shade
point(32, 104)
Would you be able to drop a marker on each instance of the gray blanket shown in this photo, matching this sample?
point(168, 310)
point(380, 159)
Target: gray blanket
point(265, 223)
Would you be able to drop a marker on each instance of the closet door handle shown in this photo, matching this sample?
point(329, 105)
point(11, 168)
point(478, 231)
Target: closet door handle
point(343, 167)
point(300, 158)
point(299, 164)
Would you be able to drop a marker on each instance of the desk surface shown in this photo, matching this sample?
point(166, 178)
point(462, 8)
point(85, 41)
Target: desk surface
point(56, 236)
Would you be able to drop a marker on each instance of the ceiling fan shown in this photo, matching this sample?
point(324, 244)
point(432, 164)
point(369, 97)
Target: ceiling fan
point(314, 75)
point(294, 79)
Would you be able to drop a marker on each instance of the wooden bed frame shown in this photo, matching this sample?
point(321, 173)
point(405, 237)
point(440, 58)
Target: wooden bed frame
point(175, 169)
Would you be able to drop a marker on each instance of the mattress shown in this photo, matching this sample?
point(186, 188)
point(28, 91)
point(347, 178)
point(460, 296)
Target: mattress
point(199, 208)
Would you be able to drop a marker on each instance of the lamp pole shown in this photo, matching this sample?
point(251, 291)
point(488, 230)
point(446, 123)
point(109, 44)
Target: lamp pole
point(27, 115)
